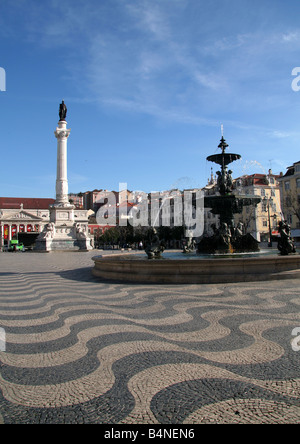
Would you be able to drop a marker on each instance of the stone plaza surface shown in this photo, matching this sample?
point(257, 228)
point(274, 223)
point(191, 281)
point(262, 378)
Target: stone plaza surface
point(79, 350)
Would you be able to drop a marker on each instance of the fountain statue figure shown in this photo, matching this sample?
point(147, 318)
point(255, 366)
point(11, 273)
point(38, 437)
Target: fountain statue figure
point(285, 242)
point(189, 243)
point(154, 246)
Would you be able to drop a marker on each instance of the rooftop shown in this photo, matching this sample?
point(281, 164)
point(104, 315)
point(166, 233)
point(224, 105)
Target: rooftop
point(15, 203)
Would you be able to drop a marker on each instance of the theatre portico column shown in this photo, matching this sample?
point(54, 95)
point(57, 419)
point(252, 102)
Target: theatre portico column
point(1, 236)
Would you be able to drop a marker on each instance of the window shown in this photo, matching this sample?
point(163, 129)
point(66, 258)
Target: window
point(265, 223)
point(297, 168)
point(287, 186)
point(298, 183)
point(262, 192)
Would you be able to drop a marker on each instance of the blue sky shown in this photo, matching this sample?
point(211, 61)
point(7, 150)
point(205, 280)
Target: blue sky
point(147, 84)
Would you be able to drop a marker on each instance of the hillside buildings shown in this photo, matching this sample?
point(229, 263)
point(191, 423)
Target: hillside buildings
point(280, 199)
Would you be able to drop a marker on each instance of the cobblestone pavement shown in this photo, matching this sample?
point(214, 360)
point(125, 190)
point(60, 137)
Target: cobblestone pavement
point(82, 351)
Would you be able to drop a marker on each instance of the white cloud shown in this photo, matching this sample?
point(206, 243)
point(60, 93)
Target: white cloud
point(281, 134)
point(144, 56)
point(149, 19)
point(147, 67)
point(293, 36)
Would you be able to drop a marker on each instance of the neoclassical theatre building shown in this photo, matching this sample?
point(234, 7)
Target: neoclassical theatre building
point(22, 215)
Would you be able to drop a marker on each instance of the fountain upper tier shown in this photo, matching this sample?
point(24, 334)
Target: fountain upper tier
point(223, 159)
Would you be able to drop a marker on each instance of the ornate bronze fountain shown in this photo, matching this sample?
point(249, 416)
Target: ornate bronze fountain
point(228, 238)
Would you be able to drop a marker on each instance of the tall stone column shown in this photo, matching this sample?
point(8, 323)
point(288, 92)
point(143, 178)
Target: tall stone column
point(67, 229)
point(62, 134)
point(62, 210)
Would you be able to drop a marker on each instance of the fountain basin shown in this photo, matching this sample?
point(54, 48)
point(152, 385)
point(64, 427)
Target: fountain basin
point(192, 269)
point(224, 159)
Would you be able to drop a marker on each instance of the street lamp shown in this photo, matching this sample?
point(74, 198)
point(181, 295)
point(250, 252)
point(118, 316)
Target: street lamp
point(267, 202)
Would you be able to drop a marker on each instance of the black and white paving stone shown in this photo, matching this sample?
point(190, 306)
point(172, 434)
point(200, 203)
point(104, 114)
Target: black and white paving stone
point(79, 350)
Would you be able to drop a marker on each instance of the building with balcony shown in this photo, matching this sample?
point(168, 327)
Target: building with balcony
point(290, 198)
point(261, 220)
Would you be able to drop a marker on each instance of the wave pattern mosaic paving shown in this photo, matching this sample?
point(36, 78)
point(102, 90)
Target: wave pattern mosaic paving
point(82, 351)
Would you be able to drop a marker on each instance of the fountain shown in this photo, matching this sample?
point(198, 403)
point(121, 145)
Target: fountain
point(227, 256)
point(228, 238)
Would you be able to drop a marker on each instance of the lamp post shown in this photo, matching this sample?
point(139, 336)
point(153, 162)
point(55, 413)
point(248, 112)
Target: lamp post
point(267, 202)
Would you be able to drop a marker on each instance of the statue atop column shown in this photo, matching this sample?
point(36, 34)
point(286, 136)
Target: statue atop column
point(62, 111)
